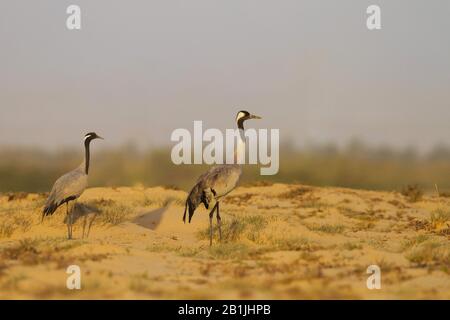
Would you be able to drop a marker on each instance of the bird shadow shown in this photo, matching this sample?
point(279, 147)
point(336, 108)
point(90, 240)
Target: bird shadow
point(84, 213)
point(150, 219)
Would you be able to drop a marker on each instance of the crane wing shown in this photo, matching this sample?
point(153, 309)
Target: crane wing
point(68, 187)
point(221, 179)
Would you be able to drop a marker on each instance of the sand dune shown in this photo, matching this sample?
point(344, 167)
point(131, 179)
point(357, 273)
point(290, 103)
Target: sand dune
point(280, 241)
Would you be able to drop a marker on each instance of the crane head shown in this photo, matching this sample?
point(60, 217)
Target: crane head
point(91, 136)
point(245, 115)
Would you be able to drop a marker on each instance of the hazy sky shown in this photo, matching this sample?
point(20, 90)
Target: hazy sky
point(139, 69)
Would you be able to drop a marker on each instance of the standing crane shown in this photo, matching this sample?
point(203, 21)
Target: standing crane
point(218, 181)
point(70, 186)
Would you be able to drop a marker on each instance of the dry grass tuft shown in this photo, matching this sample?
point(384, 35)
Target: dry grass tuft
point(293, 244)
point(258, 183)
point(430, 253)
point(233, 251)
point(368, 215)
point(412, 193)
point(295, 193)
point(245, 227)
point(17, 222)
point(114, 215)
point(110, 212)
point(327, 228)
point(53, 250)
point(239, 200)
point(440, 221)
point(439, 217)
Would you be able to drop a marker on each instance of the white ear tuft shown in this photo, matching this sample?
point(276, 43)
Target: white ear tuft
point(240, 115)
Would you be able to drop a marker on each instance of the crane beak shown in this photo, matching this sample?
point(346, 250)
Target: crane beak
point(98, 137)
point(252, 116)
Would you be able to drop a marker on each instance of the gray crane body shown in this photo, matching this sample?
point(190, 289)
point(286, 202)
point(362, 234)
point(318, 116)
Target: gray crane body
point(214, 184)
point(70, 186)
point(218, 181)
point(67, 188)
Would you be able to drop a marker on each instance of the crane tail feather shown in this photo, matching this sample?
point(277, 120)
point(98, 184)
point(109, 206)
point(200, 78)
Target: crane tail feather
point(49, 209)
point(51, 206)
point(191, 208)
point(185, 209)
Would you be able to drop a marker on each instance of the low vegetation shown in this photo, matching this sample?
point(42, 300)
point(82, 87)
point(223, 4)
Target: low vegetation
point(432, 253)
point(413, 193)
point(355, 166)
point(278, 241)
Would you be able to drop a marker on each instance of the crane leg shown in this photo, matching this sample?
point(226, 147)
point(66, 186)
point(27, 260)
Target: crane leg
point(72, 217)
point(71, 220)
point(211, 227)
point(90, 225)
point(69, 235)
point(211, 214)
point(219, 222)
point(84, 226)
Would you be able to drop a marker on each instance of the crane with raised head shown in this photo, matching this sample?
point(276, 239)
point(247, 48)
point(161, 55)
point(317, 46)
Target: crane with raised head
point(70, 186)
point(218, 181)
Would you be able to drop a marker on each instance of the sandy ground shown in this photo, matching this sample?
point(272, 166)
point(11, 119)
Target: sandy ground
point(279, 242)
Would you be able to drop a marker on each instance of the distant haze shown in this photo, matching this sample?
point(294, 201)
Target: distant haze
point(139, 69)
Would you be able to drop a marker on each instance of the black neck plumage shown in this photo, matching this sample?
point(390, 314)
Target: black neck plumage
point(87, 143)
point(240, 123)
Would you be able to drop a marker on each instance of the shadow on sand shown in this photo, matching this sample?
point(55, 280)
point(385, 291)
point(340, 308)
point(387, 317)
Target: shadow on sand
point(150, 219)
point(86, 214)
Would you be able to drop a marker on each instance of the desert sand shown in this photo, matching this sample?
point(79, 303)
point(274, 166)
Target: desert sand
point(279, 242)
